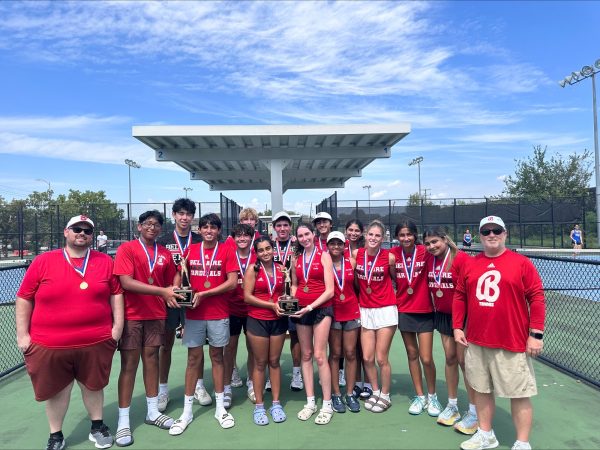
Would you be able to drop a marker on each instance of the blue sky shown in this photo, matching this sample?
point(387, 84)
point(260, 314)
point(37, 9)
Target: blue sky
point(477, 81)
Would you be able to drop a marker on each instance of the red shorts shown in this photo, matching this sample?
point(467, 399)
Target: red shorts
point(53, 369)
point(142, 333)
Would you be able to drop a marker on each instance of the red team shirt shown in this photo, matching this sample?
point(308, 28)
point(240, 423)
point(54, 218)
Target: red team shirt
point(381, 282)
point(215, 307)
point(448, 280)
point(230, 242)
point(501, 298)
point(316, 281)
point(261, 291)
point(346, 309)
point(131, 260)
point(65, 316)
point(237, 306)
point(419, 301)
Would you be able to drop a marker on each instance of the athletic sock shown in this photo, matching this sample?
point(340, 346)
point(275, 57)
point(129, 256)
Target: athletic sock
point(97, 424)
point(219, 400)
point(188, 402)
point(200, 383)
point(163, 388)
point(123, 418)
point(276, 402)
point(472, 409)
point(327, 404)
point(377, 393)
point(487, 434)
point(310, 401)
point(522, 444)
point(296, 370)
point(259, 406)
point(453, 401)
point(359, 384)
point(152, 403)
point(385, 396)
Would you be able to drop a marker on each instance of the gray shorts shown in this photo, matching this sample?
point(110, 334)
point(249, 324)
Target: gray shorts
point(346, 326)
point(197, 331)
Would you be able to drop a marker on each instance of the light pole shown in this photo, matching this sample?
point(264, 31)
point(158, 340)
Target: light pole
point(368, 188)
point(49, 186)
point(187, 189)
point(418, 160)
point(130, 163)
point(576, 77)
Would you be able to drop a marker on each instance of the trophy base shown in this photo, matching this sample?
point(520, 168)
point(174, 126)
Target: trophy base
point(188, 295)
point(288, 304)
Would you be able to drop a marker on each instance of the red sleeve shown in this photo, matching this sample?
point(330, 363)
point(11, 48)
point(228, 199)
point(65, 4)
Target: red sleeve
point(124, 261)
point(230, 261)
point(31, 280)
point(534, 294)
point(115, 285)
point(459, 302)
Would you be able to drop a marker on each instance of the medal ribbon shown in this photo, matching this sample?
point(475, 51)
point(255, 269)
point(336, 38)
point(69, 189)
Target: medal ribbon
point(152, 263)
point(182, 248)
point(86, 259)
point(212, 259)
point(287, 250)
point(242, 267)
point(409, 276)
point(305, 267)
point(438, 277)
point(272, 283)
point(340, 279)
point(369, 273)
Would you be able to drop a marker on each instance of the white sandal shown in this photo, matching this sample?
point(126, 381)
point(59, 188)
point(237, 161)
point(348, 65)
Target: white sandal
point(306, 412)
point(324, 416)
point(180, 425)
point(225, 419)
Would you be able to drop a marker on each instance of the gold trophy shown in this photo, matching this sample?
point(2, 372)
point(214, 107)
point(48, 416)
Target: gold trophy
point(185, 290)
point(287, 303)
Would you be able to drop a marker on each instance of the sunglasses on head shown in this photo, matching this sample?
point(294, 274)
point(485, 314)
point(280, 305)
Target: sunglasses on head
point(78, 230)
point(488, 231)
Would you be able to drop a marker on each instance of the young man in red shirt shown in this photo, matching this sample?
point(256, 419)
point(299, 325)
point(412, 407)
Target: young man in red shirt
point(500, 294)
point(148, 276)
point(69, 317)
point(213, 274)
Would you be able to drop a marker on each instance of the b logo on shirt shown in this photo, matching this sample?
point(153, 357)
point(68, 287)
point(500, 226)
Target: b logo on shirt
point(487, 288)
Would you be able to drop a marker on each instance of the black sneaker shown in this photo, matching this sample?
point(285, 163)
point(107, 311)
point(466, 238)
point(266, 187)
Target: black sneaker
point(352, 403)
point(55, 444)
point(356, 391)
point(337, 404)
point(366, 392)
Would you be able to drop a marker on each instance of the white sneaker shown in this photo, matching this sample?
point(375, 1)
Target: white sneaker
point(449, 416)
point(236, 381)
point(163, 401)
point(342, 378)
point(518, 445)
point(479, 442)
point(434, 408)
point(268, 385)
point(417, 406)
point(202, 396)
point(468, 424)
point(297, 384)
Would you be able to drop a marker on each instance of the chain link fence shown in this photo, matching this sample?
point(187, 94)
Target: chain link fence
point(10, 356)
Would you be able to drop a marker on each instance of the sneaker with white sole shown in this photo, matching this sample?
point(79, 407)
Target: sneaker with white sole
point(449, 416)
point(55, 444)
point(163, 401)
point(236, 381)
point(342, 378)
point(417, 405)
point(202, 396)
point(479, 442)
point(519, 445)
point(268, 385)
point(434, 408)
point(101, 437)
point(297, 384)
point(468, 424)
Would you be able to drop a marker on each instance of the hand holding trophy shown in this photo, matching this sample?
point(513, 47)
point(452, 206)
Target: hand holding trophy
point(185, 290)
point(287, 303)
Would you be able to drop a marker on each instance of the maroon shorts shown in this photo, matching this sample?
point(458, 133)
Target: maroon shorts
point(53, 369)
point(142, 333)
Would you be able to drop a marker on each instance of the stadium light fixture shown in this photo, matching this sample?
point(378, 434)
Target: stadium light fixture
point(418, 160)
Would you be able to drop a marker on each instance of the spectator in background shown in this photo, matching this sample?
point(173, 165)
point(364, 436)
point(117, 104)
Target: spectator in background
point(101, 241)
point(576, 239)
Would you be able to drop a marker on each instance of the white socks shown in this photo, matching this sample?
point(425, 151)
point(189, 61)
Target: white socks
point(310, 401)
point(152, 403)
point(188, 402)
point(163, 388)
point(453, 401)
point(123, 418)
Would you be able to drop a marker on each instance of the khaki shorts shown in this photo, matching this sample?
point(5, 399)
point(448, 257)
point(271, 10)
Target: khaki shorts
point(495, 370)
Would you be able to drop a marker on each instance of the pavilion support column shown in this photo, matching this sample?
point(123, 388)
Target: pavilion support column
point(276, 168)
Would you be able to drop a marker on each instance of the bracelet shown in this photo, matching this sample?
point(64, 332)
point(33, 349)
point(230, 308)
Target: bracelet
point(309, 307)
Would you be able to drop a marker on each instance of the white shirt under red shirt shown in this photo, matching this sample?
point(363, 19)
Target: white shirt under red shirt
point(445, 282)
point(131, 260)
point(501, 298)
point(203, 279)
point(64, 314)
point(419, 300)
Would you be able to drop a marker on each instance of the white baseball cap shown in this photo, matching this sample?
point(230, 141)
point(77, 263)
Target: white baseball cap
point(491, 219)
point(322, 215)
point(79, 219)
point(281, 215)
point(335, 235)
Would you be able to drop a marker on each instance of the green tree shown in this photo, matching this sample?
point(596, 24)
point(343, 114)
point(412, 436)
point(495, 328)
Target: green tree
point(539, 177)
point(415, 200)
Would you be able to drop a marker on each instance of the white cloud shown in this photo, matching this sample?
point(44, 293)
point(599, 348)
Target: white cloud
point(378, 194)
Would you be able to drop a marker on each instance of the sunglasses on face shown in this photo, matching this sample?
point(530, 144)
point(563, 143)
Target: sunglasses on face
point(87, 231)
point(488, 231)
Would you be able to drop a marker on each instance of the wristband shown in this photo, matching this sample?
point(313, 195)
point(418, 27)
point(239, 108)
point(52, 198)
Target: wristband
point(309, 307)
point(539, 336)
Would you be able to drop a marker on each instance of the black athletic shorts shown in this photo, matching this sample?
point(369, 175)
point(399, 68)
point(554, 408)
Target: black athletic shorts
point(266, 328)
point(236, 324)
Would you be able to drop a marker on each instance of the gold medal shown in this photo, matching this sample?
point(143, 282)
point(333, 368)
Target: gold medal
point(83, 285)
point(150, 280)
point(369, 290)
point(439, 293)
point(305, 288)
point(342, 297)
point(207, 284)
point(410, 291)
